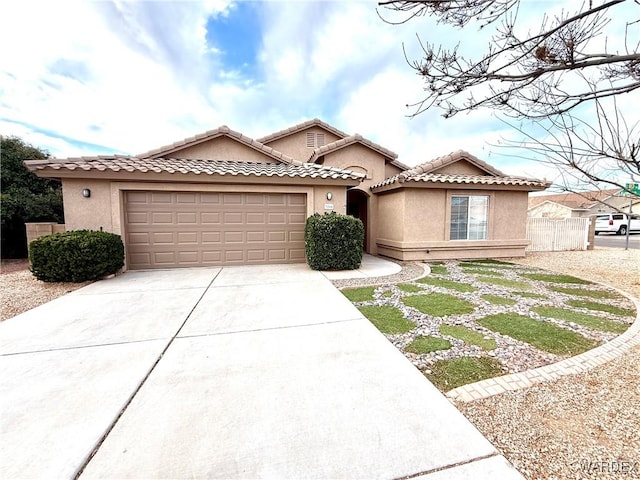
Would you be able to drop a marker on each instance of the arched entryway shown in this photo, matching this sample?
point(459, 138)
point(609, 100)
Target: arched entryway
point(358, 206)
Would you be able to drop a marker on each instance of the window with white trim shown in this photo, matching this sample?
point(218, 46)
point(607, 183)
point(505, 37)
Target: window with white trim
point(469, 217)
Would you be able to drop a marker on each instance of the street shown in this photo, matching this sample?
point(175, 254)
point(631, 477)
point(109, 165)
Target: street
point(611, 240)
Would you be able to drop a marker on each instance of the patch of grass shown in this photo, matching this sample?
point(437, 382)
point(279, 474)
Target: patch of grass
point(438, 304)
point(387, 319)
point(387, 294)
point(498, 300)
point(362, 294)
point(555, 278)
point(409, 288)
point(602, 307)
point(584, 292)
point(481, 271)
point(450, 284)
point(449, 374)
point(468, 336)
point(589, 321)
point(529, 295)
point(422, 345)
point(438, 269)
point(504, 282)
point(486, 264)
point(542, 335)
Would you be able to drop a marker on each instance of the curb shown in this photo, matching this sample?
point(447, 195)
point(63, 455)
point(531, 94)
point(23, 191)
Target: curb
point(578, 364)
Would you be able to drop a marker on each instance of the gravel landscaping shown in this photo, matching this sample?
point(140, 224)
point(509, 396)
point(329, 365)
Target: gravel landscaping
point(580, 426)
point(21, 291)
point(493, 300)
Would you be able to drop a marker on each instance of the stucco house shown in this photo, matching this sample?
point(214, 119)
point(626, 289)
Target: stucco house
point(584, 204)
point(222, 198)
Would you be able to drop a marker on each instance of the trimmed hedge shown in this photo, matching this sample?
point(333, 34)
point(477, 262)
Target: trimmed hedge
point(333, 241)
point(76, 256)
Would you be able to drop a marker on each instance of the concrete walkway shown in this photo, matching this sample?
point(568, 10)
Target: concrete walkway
point(241, 372)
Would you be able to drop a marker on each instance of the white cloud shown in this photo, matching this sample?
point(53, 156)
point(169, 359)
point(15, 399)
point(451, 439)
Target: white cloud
point(131, 76)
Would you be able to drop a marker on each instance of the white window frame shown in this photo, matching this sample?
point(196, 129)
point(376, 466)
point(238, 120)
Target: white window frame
point(476, 221)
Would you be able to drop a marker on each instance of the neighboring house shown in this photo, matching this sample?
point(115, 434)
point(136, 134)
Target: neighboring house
point(222, 198)
point(584, 204)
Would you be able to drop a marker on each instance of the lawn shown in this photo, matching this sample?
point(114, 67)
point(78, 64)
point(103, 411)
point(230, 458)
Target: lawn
point(542, 335)
point(506, 304)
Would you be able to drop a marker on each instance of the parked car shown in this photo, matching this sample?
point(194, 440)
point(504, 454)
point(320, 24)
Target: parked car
point(617, 223)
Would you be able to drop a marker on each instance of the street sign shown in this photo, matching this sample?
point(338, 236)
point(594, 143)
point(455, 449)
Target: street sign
point(634, 188)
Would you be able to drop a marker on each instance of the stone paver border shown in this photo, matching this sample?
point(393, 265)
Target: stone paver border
point(580, 363)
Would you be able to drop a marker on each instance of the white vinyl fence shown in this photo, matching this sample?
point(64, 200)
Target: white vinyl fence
point(547, 235)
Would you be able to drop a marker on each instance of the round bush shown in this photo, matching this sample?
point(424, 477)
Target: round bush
point(76, 256)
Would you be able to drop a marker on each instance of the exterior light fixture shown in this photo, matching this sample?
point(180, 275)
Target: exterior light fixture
point(329, 195)
point(86, 193)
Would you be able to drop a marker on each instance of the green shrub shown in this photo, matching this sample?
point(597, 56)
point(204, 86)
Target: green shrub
point(333, 241)
point(76, 256)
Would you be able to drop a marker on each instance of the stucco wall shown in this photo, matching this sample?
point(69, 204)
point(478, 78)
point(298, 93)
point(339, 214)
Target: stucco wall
point(510, 215)
point(391, 170)
point(461, 167)
point(391, 215)
point(373, 165)
point(295, 145)
point(222, 148)
point(91, 213)
point(423, 234)
point(550, 210)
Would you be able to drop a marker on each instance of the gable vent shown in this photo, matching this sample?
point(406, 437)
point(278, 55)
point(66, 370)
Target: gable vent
point(311, 139)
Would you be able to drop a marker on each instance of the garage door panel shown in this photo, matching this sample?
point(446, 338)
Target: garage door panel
point(210, 218)
point(163, 238)
point(297, 218)
point(187, 237)
point(233, 237)
point(253, 237)
point(161, 218)
point(160, 197)
point(189, 198)
point(211, 237)
point(166, 229)
point(138, 217)
point(297, 255)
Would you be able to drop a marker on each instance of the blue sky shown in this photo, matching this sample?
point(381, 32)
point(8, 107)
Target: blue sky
point(86, 78)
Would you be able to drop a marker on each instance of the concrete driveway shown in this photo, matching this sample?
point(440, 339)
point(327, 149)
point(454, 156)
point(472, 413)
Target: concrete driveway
point(241, 372)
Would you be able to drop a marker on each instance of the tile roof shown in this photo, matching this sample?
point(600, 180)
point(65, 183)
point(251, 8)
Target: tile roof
point(122, 163)
point(316, 122)
point(463, 179)
point(453, 157)
point(579, 201)
point(422, 173)
point(218, 132)
point(357, 138)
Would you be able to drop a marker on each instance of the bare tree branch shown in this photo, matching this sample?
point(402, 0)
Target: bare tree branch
point(523, 77)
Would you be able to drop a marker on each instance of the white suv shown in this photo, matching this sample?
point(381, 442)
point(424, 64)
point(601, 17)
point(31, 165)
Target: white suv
point(617, 223)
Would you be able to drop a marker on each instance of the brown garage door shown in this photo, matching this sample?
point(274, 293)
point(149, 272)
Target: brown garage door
point(185, 229)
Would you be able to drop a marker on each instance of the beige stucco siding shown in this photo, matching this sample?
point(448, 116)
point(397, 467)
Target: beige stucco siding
point(222, 148)
point(391, 215)
point(93, 213)
point(425, 211)
point(295, 145)
point(391, 170)
point(414, 225)
point(510, 215)
point(460, 168)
